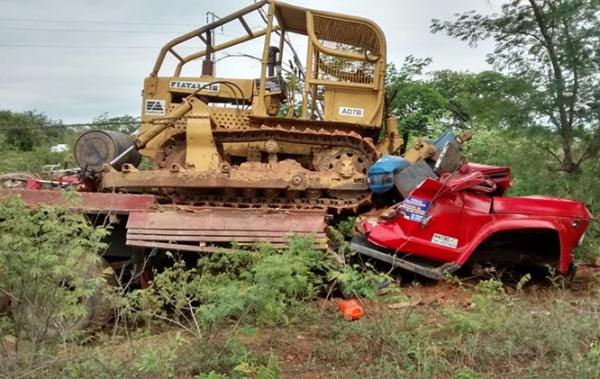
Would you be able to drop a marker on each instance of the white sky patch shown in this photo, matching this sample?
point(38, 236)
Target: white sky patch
point(49, 66)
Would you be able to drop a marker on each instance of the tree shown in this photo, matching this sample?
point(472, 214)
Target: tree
point(487, 98)
point(415, 102)
point(452, 99)
point(553, 44)
point(123, 124)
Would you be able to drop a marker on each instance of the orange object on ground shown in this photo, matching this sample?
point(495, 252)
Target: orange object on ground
point(351, 310)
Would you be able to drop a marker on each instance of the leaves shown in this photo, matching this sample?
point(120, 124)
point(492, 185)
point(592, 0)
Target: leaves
point(261, 287)
point(47, 255)
point(553, 45)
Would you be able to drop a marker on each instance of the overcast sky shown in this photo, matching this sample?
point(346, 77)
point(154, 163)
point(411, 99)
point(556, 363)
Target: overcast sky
point(75, 59)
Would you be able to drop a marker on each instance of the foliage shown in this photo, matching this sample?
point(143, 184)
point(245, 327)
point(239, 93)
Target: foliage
point(47, 257)
point(424, 103)
point(356, 280)
point(170, 356)
point(268, 286)
point(23, 131)
point(495, 335)
point(26, 138)
point(123, 124)
point(552, 45)
point(46, 254)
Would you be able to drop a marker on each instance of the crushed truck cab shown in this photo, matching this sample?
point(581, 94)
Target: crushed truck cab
point(463, 217)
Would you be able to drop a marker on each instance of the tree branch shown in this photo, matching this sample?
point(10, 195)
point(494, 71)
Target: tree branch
point(592, 149)
point(566, 128)
point(552, 154)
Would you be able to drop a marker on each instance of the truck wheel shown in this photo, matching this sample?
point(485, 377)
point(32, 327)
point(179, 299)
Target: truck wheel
point(570, 276)
point(98, 310)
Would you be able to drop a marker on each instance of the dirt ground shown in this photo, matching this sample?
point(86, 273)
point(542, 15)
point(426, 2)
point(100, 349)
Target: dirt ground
point(296, 346)
point(300, 347)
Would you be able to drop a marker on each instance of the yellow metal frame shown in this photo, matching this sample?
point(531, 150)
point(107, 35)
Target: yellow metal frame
point(281, 18)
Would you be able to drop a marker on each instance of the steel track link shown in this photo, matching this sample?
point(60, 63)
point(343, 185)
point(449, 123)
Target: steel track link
point(305, 136)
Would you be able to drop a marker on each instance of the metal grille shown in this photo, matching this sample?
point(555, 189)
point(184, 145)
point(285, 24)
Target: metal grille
point(347, 70)
point(356, 36)
point(349, 36)
point(230, 118)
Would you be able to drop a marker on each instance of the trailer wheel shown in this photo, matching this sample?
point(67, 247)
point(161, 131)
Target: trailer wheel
point(98, 310)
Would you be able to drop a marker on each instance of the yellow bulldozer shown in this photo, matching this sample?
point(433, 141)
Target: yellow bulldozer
point(305, 142)
point(250, 160)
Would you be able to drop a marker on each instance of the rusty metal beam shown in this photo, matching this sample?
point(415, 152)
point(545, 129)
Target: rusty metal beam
point(206, 226)
point(293, 180)
point(177, 247)
point(210, 238)
point(231, 219)
point(85, 201)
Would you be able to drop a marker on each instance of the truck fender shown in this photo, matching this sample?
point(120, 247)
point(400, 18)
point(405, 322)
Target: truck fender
point(507, 226)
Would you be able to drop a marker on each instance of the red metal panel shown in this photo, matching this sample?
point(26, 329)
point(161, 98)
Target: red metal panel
point(162, 229)
point(541, 205)
point(85, 201)
point(175, 232)
point(210, 238)
point(231, 219)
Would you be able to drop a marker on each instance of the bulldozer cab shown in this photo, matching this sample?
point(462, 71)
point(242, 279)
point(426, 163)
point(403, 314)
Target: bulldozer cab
point(341, 79)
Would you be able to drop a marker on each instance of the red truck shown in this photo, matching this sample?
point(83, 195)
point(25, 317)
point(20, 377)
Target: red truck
point(463, 218)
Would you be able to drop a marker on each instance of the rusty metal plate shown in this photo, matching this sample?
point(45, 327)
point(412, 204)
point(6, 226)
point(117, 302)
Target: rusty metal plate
point(192, 231)
point(85, 201)
point(231, 219)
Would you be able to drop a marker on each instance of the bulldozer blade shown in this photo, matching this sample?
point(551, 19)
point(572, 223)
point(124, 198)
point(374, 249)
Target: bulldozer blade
point(202, 229)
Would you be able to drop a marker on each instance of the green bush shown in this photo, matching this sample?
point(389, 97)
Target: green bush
point(46, 257)
point(266, 286)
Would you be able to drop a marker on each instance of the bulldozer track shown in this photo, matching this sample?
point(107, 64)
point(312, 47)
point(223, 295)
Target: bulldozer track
point(217, 201)
point(349, 140)
point(307, 136)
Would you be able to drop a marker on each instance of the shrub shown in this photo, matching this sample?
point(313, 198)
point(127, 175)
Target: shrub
point(47, 258)
point(264, 286)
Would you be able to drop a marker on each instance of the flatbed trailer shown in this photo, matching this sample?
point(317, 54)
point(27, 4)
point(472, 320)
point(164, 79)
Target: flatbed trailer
point(141, 221)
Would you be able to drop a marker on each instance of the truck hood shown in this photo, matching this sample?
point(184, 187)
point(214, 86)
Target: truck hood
point(541, 205)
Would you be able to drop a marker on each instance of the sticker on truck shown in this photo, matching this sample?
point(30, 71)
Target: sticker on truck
point(202, 86)
point(414, 209)
point(155, 108)
point(442, 240)
point(352, 112)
